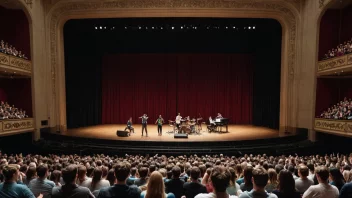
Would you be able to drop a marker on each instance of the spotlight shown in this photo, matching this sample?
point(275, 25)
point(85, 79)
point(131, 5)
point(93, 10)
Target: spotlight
point(153, 28)
point(113, 27)
point(234, 27)
point(105, 27)
point(161, 28)
point(249, 27)
point(181, 27)
point(195, 27)
point(227, 27)
point(253, 27)
point(101, 27)
point(172, 27)
point(125, 28)
point(139, 27)
point(146, 28)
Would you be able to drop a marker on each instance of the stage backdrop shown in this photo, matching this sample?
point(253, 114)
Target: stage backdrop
point(165, 84)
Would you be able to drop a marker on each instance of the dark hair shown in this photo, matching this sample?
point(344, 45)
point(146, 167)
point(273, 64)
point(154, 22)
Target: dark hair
point(133, 171)
point(310, 167)
point(195, 173)
point(111, 177)
point(122, 171)
point(233, 176)
point(322, 172)
point(42, 170)
point(260, 177)
point(97, 174)
point(69, 173)
point(143, 172)
point(82, 171)
point(55, 176)
point(31, 173)
point(152, 168)
point(220, 178)
point(105, 170)
point(176, 172)
point(337, 177)
point(248, 173)
point(286, 183)
point(278, 168)
point(23, 168)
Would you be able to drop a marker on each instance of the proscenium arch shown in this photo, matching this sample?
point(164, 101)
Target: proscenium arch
point(59, 16)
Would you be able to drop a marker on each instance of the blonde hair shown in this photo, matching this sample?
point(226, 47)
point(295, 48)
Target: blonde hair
point(155, 186)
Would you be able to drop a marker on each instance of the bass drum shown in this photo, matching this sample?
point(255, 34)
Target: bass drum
point(185, 129)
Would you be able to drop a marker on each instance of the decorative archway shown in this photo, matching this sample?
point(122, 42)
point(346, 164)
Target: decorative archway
point(285, 11)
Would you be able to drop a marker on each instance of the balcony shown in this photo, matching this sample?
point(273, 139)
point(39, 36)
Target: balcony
point(14, 64)
point(337, 64)
point(15, 126)
point(337, 127)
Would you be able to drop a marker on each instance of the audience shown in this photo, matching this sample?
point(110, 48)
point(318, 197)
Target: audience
point(342, 111)
point(340, 50)
point(8, 49)
point(10, 112)
point(160, 176)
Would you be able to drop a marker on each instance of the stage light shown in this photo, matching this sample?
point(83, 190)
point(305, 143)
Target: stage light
point(113, 27)
point(195, 27)
point(172, 27)
point(234, 27)
point(101, 27)
point(249, 27)
point(96, 28)
point(227, 27)
point(181, 27)
point(125, 28)
point(105, 27)
point(253, 27)
point(161, 28)
point(153, 28)
point(139, 27)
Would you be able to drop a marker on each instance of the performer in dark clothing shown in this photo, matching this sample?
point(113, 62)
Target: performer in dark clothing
point(144, 124)
point(160, 122)
point(129, 125)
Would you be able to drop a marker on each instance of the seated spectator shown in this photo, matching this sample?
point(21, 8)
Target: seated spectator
point(193, 188)
point(42, 185)
point(120, 189)
point(132, 177)
point(71, 189)
point(346, 191)
point(303, 183)
point(272, 182)
point(8, 49)
point(323, 189)
point(82, 179)
point(220, 178)
point(142, 180)
point(10, 188)
point(55, 177)
point(247, 185)
point(30, 175)
point(175, 185)
point(206, 180)
point(97, 181)
point(259, 179)
point(286, 187)
point(336, 178)
point(111, 177)
point(156, 187)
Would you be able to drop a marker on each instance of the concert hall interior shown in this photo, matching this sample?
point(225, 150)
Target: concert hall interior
point(78, 76)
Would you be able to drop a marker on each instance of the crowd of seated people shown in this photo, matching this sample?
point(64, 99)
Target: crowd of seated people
point(8, 49)
point(340, 50)
point(11, 112)
point(341, 110)
point(216, 176)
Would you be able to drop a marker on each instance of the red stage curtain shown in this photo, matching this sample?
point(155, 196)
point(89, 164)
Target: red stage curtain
point(133, 84)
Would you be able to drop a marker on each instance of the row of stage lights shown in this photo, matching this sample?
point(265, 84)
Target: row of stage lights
point(176, 28)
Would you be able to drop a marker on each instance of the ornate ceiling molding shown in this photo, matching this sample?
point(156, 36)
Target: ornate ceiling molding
point(321, 3)
point(287, 12)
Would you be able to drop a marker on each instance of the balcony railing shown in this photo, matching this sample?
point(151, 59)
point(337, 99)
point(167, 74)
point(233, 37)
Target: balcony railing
point(13, 126)
point(336, 64)
point(15, 64)
point(338, 127)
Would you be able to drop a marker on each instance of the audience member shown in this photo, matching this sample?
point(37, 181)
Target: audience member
point(8, 49)
point(286, 187)
point(336, 178)
point(156, 187)
point(193, 188)
point(323, 189)
point(42, 185)
point(175, 185)
point(341, 111)
point(303, 182)
point(10, 112)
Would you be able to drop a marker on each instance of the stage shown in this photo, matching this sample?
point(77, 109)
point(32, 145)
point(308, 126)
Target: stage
point(235, 133)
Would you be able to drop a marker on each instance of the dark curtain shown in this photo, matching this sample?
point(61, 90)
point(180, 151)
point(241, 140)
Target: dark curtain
point(17, 92)
point(83, 90)
point(15, 29)
point(331, 91)
point(192, 84)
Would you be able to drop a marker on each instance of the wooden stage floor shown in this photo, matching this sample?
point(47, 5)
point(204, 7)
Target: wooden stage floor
point(236, 133)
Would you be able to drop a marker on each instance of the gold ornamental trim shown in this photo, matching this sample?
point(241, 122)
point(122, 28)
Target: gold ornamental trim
point(15, 125)
point(334, 126)
point(341, 62)
point(16, 64)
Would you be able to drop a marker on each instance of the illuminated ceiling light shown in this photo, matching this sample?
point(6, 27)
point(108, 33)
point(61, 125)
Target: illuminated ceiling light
point(101, 27)
point(181, 27)
point(172, 27)
point(249, 27)
point(234, 27)
point(96, 28)
point(253, 27)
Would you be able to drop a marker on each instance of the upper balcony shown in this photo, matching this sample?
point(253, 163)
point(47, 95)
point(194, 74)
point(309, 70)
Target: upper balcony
point(335, 65)
point(15, 65)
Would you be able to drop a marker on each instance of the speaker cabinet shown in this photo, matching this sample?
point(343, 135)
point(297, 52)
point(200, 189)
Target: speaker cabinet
point(181, 135)
point(122, 133)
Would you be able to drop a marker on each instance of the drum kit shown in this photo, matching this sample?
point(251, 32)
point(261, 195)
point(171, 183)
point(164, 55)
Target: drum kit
point(186, 126)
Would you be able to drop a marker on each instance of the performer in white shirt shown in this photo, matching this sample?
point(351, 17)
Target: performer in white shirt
point(178, 120)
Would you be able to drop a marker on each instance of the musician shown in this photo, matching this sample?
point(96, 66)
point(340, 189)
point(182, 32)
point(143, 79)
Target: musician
point(144, 124)
point(160, 122)
point(219, 116)
point(212, 125)
point(178, 120)
point(129, 125)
